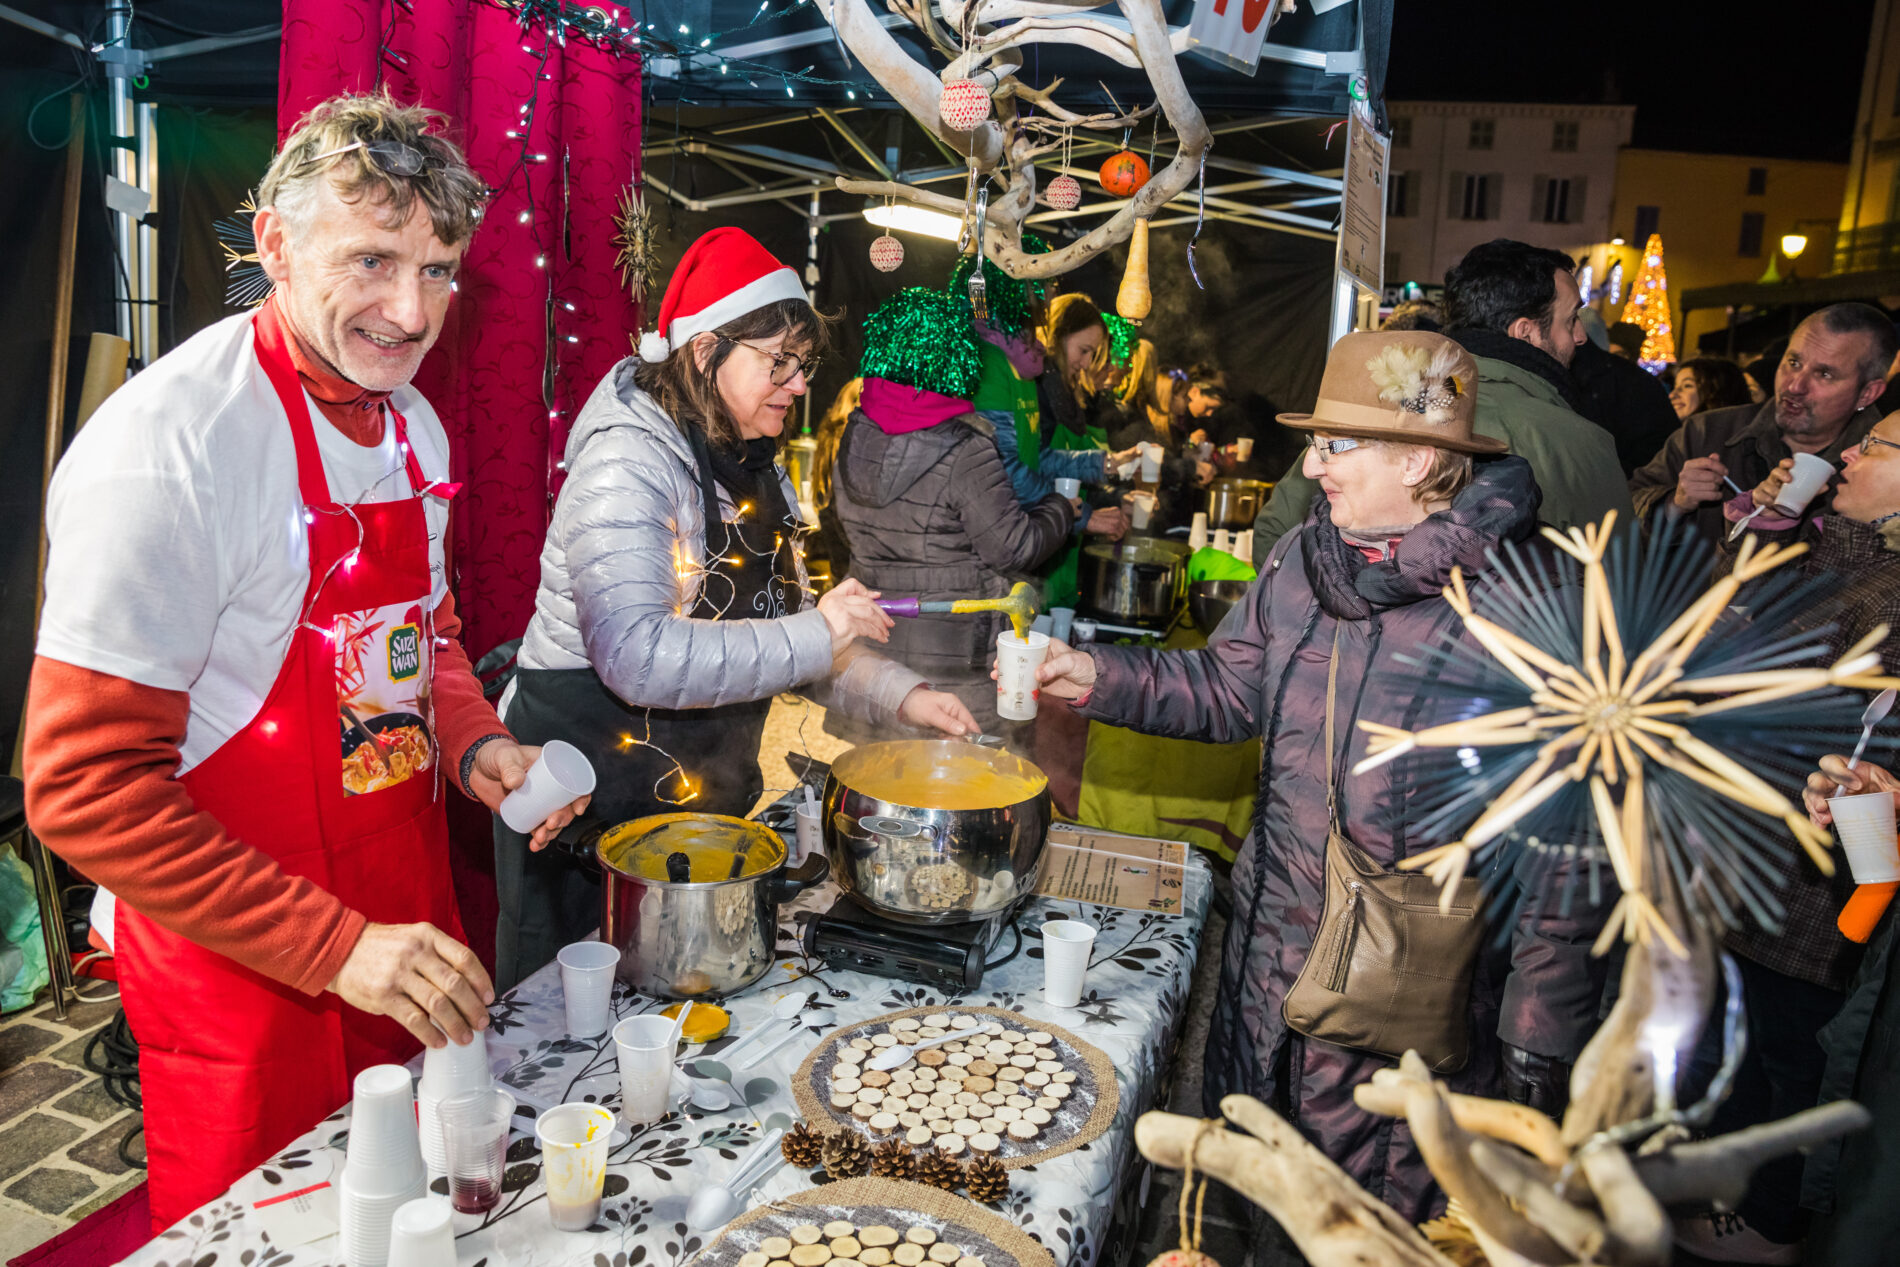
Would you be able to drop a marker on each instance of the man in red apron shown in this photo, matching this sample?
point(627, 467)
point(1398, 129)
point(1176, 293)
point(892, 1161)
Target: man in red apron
point(248, 700)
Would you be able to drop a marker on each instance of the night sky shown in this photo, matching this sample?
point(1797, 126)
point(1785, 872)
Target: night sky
point(1778, 80)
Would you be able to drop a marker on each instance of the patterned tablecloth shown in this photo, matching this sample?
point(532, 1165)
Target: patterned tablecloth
point(1131, 1009)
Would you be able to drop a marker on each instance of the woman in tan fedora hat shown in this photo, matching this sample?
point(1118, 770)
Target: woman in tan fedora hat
point(1411, 493)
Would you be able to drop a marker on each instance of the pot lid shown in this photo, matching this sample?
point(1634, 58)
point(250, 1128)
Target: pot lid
point(701, 847)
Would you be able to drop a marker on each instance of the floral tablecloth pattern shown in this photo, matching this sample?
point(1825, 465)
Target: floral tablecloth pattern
point(1131, 1009)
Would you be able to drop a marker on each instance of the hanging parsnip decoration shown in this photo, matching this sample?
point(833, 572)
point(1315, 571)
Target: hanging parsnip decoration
point(1134, 299)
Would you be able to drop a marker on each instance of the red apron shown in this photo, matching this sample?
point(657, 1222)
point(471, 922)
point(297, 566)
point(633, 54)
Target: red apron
point(232, 1064)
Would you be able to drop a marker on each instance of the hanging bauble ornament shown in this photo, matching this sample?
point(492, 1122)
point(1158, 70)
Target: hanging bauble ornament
point(886, 254)
point(1064, 193)
point(1124, 173)
point(963, 105)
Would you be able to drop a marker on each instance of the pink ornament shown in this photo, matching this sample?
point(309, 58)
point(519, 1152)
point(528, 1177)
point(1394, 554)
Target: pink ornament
point(886, 253)
point(964, 104)
point(1064, 193)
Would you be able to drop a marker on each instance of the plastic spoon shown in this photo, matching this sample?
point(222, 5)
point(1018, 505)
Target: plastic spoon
point(790, 1034)
point(785, 1009)
point(718, 1205)
point(892, 1057)
point(1875, 713)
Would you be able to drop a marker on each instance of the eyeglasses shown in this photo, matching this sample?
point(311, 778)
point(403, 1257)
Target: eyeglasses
point(786, 366)
point(1327, 450)
point(1874, 441)
point(393, 158)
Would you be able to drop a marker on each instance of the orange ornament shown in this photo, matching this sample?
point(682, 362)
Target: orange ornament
point(1124, 173)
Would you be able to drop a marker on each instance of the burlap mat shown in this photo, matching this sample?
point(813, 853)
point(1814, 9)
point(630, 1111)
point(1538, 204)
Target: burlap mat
point(893, 1203)
point(1087, 1112)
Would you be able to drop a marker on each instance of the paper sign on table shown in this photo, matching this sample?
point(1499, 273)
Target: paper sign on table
point(1136, 873)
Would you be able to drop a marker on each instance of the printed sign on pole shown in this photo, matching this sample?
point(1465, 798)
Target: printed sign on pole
point(1231, 32)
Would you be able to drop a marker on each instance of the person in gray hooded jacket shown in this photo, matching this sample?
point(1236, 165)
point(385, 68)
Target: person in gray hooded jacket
point(673, 605)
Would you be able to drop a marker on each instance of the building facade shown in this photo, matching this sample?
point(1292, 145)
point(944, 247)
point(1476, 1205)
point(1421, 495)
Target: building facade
point(1463, 173)
point(1722, 219)
point(1869, 221)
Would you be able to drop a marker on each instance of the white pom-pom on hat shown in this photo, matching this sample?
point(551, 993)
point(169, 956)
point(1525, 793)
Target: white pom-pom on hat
point(653, 347)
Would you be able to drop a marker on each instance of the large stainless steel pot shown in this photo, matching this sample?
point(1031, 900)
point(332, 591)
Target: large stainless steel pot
point(1139, 581)
point(713, 934)
point(935, 831)
point(1236, 503)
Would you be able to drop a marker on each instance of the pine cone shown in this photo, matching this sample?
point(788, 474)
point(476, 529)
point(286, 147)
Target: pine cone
point(803, 1147)
point(987, 1178)
point(893, 1160)
point(846, 1156)
point(939, 1172)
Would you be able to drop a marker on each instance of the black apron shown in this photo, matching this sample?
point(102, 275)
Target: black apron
point(546, 899)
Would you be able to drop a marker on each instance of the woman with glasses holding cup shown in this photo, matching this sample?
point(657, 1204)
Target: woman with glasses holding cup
point(1301, 662)
point(673, 604)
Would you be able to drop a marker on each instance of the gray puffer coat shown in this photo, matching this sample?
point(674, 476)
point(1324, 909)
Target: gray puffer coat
point(1264, 673)
point(620, 565)
point(931, 513)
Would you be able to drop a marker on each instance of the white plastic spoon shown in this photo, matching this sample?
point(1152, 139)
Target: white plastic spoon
point(785, 1009)
point(1876, 712)
point(892, 1057)
point(718, 1205)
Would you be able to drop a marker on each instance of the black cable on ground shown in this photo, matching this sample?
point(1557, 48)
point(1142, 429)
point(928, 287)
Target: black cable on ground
point(113, 1054)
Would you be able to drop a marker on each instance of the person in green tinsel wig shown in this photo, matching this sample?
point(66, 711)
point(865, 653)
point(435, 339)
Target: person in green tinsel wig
point(919, 488)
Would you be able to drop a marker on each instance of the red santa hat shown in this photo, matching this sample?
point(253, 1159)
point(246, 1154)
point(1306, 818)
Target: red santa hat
point(722, 277)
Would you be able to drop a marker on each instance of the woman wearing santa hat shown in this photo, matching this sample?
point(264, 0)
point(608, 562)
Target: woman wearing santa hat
point(673, 604)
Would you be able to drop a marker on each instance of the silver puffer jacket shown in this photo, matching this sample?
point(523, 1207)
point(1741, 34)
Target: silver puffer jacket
point(621, 564)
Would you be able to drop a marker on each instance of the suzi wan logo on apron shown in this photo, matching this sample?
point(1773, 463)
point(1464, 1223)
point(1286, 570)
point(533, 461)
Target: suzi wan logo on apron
point(382, 671)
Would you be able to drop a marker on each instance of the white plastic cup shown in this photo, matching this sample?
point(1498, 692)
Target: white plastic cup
point(1205, 450)
point(1197, 532)
point(1141, 507)
point(587, 986)
point(422, 1234)
point(1865, 825)
point(475, 1127)
point(1042, 623)
point(1128, 470)
point(447, 1071)
point(1243, 448)
point(1810, 476)
point(811, 830)
point(383, 1125)
point(1061, 623)
point(365, 1221)
point(1221, 541)
point(1151, 455)
point(1066, 944)
point(574, 1139)
point(559, 775)
point(1243, 546)
point(1017, 660)
point(647, 1049)
point(1069, 488)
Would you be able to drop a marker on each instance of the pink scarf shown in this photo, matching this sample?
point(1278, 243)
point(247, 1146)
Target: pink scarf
point(899, 410)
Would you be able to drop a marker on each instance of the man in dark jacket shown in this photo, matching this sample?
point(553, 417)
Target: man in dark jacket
point(1833, 371)
point(1514, 308)
point(1623, 398)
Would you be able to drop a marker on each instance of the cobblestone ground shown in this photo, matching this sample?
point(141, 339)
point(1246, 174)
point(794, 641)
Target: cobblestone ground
point(59, 1131)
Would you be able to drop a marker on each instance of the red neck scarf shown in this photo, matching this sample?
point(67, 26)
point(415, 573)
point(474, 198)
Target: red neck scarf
point(351, 408)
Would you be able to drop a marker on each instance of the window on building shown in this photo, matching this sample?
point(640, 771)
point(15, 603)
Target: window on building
point(1400, 195)
point(1474, 196)
point(1401, 131)
point(1483, 133)
point(1563, 137)
point(1757, 180)
point(1648, 221)
point(1557, 199)
point(1752, 224)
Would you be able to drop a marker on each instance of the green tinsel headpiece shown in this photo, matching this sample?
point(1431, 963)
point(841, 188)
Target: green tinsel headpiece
point(1011, 301)
point(1123, 335)
point(923, 338)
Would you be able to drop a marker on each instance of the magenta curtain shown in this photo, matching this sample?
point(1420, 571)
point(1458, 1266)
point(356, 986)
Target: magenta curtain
point(505, 390)
point(539, 316)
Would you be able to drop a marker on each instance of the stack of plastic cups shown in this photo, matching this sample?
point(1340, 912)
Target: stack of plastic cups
point(1220, 541)
point(587, 986)
point(382, 1169)
point(422, 1235)
point(646, 1048)
point(1243, 545)
point(447, 1071)
point(1197, 533)
point(574, 1139)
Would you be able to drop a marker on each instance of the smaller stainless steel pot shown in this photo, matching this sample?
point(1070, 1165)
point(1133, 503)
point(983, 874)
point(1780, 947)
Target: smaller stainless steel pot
point(1139, 581)
point(712, 935)
point(1210, 601)
point(1236, 503)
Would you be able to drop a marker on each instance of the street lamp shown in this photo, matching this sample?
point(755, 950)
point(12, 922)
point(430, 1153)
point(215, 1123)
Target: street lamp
point(1792, 244)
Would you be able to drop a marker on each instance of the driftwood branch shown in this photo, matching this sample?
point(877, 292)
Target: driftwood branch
point(1330, 1218)
point(1718, 1170)
point(1515, 1124)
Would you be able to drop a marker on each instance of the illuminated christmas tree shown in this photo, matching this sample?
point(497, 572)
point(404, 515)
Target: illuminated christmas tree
point(1649, 308)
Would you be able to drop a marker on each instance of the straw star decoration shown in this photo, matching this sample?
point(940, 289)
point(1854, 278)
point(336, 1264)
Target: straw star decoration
point(1634, 742)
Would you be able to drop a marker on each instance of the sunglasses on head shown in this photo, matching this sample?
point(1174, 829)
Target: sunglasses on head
point(392, 158)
